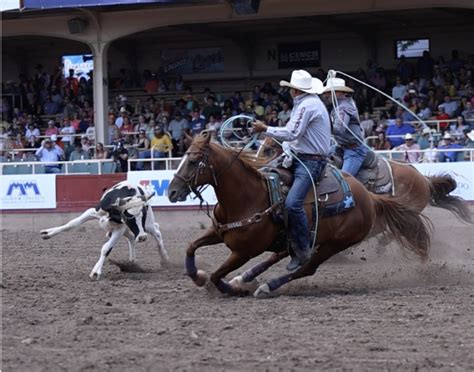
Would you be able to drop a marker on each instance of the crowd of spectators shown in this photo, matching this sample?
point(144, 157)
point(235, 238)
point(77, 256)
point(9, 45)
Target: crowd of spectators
point(154, 127)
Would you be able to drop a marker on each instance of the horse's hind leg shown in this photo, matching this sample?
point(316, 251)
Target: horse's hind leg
point(244, 281)
point(323, 252)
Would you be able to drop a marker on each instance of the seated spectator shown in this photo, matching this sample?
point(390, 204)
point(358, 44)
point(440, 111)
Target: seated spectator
point(50, 107)
point(457, 129)
point(67, 130)
point(141, 125)
point(382, 143)
point(52, 129)
point(431, 154)
point(151, 86)
point(32, 143)
point(86, 144)
point(409, 146)
point(90, 132)
point(78, 153)
point(120, 153)
point(142, 143)
point(258, 109)
point(449, 106)
point(159, 148)
point(31, 131)
point(367, 124)
point(468, 114)
point(48, 153)
point(177, 127)
point(449, 156)
point(399, 129)
point(273, 120)
point(424, 139)
point(211, 108)
point(100, 152)
point(127, 126)
point(469, 139)
point(443, 125)
point(14, 128)
point(119, 120)
point(197, 124)
point(399, 90)
point(424, 111)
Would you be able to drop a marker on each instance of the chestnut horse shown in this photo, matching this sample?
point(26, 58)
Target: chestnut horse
point(242, 197)
point(411, 187)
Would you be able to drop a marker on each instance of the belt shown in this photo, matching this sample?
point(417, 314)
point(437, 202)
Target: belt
point(352, 146)
point(311, 156)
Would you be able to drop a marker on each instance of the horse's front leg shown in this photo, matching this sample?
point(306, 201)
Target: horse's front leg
point(209, 237)
point(233, 262)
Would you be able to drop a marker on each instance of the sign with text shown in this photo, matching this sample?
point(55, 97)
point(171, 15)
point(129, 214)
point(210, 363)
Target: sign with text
point(192, 61)
point(299, 55)
point(159, 181)
point(462, 172)
point(58, 4)
point(28, 191)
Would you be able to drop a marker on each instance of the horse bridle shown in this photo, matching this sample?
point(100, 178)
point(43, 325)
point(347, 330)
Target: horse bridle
point(191, 181)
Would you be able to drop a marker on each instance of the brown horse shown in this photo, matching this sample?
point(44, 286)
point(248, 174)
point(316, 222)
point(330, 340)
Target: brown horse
point(243, 207)
point(410, 187)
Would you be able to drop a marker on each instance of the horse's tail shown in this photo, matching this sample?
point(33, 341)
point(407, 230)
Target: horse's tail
point(409, 228)
point(440, 187)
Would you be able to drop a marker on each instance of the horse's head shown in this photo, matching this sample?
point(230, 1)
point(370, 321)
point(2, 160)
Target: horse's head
point(194, 170)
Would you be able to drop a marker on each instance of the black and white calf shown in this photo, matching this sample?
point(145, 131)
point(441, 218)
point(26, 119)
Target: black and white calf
point(123, 210)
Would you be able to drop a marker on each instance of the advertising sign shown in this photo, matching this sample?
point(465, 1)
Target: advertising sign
point(192, 61)
point(28, 191)
point(299, 55)
point(462, 172)
point(159, 181)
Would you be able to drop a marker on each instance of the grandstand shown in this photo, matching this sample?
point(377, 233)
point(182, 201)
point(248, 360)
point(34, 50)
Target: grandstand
point(158, 58)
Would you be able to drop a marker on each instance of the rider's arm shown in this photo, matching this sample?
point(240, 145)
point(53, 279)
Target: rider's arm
point(295, 127)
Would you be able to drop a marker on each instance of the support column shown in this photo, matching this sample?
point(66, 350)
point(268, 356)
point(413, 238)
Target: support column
point(101, 93)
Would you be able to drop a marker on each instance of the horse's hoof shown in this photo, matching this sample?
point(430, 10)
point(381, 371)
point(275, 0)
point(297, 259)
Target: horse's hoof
point(201, 278)
point(262, 292)
point(245, 287)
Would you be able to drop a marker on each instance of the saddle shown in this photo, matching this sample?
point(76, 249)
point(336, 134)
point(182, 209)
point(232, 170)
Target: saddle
point(333, 192)
point(375, 173)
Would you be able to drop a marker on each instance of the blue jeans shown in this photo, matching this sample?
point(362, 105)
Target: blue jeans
point(298, 228)
point(147, 155)
point(353, 159)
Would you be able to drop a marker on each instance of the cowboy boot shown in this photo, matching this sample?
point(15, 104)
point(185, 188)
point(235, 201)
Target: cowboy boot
point(298, 258)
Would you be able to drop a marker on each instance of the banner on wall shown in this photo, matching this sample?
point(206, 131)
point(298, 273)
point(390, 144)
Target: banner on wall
point(462, 172)
point(28, 191)
point(192, 61)
point(159, 181)
point(299, 55)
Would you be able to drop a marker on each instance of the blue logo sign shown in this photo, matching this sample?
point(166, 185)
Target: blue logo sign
point(22, 188)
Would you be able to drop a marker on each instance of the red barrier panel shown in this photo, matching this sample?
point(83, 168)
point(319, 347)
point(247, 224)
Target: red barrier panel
point(75, 193)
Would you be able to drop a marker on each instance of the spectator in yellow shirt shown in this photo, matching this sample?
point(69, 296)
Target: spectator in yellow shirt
point(159, 147)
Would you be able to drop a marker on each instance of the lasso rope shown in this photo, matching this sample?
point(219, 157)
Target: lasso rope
point(230, 121)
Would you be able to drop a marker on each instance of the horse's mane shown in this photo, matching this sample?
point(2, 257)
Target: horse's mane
point(248, 159)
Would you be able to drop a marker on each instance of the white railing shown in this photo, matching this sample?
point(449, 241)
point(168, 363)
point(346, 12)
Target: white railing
point(37, 166)
point(169, 163)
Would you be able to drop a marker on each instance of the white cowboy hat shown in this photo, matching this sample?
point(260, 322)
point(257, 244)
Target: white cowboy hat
point(471, 135)
point(408, 136)
point(447, 136)
point(337, 84)
point(426, 131)
point(302, 80)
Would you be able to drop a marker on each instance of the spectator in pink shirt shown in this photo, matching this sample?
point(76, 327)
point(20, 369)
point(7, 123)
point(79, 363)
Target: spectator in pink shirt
point(52, 129)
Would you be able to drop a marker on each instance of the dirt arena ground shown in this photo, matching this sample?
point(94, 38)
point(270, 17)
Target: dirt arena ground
point(364, 311)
